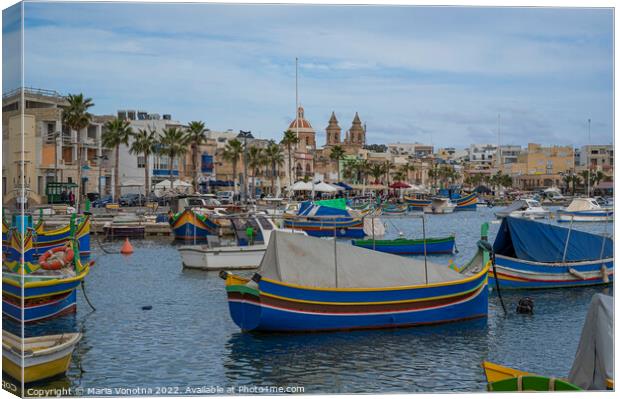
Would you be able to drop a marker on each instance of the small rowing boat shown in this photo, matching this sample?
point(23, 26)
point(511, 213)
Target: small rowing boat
point(405, 246)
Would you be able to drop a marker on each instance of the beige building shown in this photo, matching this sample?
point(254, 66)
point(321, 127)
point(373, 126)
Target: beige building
point(50, 151)
point(541, 167)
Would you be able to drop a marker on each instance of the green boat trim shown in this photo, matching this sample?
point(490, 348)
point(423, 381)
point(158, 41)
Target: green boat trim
point(243, 289)
point(405, 241)
point(531, 383)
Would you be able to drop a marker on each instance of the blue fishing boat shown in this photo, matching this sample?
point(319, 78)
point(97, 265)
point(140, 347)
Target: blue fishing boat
point(530, 254)
point(394, 209)
point(325, 221)
point(309, 284)
point(405, 246)
point(190, 225)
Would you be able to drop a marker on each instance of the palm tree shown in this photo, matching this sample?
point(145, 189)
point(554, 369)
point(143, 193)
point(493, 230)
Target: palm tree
point(232, 153)
point(350, 169)
point(376, 170)
point(173, 144)
point(144, 143)
point(77, 117)
point(256, 159)
point(195, 137)
point(387, 168)
point(289, 139)
point(117, 132)
point(275, 159)
point(336, 154)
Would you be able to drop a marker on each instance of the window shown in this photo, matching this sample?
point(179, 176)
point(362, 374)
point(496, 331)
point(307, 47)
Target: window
point(141, 163)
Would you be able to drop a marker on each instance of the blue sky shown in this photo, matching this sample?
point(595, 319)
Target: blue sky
point(439, 75)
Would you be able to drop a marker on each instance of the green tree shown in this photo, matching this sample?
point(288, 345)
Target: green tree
point(336, 154)
point(232, 153)
point(377, 171)
point(289, 140)
point(144, 143)
point(275, 159)
point(116, 132)
point(77, 117)
point(196, 135)
point(173, 144)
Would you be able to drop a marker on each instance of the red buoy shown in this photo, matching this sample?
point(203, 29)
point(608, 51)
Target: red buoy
point(127, 249)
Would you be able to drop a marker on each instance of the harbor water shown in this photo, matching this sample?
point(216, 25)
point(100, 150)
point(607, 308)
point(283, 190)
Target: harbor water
point(163, 328)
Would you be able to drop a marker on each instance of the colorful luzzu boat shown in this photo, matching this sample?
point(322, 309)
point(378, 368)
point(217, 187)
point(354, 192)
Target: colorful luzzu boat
point(393, 209)
point(307, 284)
point(466, 203)
point(190, 225)
point(530, 254)
point(46, 293)
point(325, 221)
point(405, 246)
point(45, 240)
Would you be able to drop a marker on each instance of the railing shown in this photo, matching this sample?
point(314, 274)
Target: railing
point(33, 91)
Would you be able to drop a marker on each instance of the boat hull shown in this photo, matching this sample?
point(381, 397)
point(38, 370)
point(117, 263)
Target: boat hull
point(467, 203)
point(228, 258)
point(519, 274)
point(189, 226)
point(346, 228)
point(409, 247)
point(586, 216)
point(41, 309)
point(274, 306)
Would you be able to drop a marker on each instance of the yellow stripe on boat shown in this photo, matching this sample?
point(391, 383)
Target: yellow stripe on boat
point(496, 372)
point(37, 372)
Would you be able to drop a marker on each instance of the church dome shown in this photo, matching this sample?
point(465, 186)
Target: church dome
point(300, 121)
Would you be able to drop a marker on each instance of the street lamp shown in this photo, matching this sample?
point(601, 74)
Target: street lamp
point(101, 158)
point(245, 136)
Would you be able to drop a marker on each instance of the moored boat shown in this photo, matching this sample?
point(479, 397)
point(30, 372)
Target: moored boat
point(524, 208)
point(325, 221)
point(310, 284)
point(39, 358)
point(585, 210)
point(394, 209)
point(439, 206)
point(404, 246)
point(191, 225)
point(530, 254)
point(468, 202)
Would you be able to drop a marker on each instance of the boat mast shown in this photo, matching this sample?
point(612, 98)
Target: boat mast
point(588, 158)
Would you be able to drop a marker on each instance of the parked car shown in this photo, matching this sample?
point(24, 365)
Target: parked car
point(226, 197)
point(103, 201)
point(132, 200)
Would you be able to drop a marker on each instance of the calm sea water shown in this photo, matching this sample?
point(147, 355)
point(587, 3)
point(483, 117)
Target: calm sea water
point(188, 340)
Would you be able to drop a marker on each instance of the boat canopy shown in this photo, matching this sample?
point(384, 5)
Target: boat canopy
point(338, 203)
point(518, 205)
point(310, 261)
point(582, 204)
point(541, 242)
point(594, 360)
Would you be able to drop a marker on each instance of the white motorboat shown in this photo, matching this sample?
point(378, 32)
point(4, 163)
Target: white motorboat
point(252, 236)
point(585, 210)
point(524, 208)
point(440, 206)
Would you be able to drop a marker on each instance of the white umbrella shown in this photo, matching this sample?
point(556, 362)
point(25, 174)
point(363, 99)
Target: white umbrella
point(132, 183)
point(337, 187)
point(324, 187)
point(180, 183)
point(164, 184)
point(301, 186)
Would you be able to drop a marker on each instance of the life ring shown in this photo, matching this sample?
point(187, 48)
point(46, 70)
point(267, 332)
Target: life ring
point(49, 261)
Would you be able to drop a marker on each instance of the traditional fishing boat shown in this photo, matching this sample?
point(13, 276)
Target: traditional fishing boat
point(405, 246)
point(191, 225)
point(44, 240)
point(251, 237)
point(585, 210)
point(39, 291)
point(530, 254)
point(524, 208)
point(39, 358)
point(394, 209)
point(592, 367)
point(325, 221)
point(311, 284)
point(468, 202)
point(440, 206)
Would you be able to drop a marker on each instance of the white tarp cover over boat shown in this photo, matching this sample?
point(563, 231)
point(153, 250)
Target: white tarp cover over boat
point(309, 261)
point(582, 204)
point(594, 361)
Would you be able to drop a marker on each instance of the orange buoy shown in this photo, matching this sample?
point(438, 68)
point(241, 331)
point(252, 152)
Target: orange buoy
point(127, 249)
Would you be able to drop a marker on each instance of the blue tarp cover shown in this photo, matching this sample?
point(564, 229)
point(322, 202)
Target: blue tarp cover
point(541, 242)
point(307, 208)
